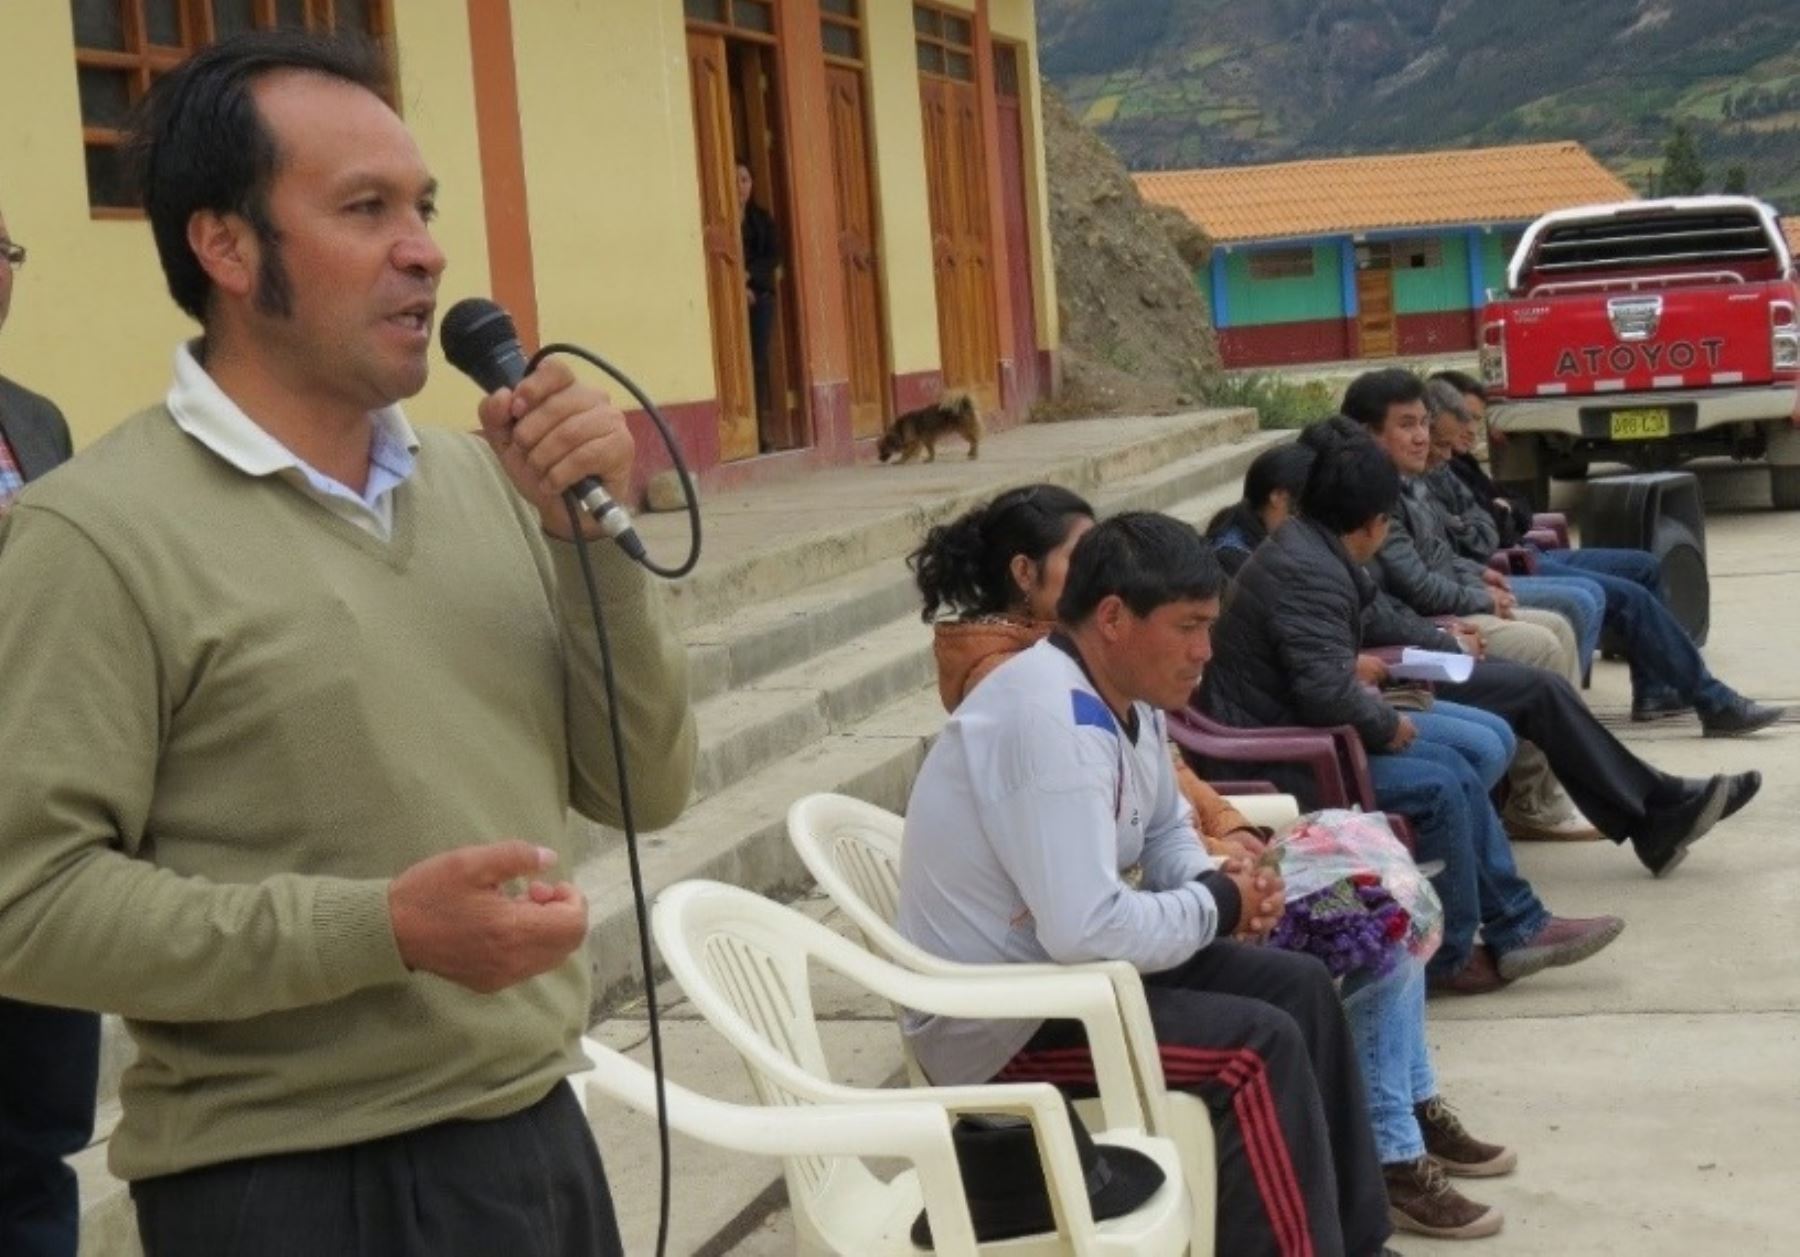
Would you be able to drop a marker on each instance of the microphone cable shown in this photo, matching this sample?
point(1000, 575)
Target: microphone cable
point(577, 517)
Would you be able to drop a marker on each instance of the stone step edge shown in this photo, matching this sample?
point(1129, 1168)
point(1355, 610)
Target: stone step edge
point(784, 631)
point(714, 594)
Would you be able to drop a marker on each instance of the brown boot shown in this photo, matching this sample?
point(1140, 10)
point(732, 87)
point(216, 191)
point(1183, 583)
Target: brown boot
point(1453, 1147)
point(1478, 976)
point(1421, 1200)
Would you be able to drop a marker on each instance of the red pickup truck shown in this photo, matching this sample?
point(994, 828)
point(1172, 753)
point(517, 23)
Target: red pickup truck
point(1647, 333)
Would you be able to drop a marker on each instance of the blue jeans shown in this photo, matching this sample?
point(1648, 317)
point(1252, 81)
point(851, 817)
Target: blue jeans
point(1483, 739)
point(49, 1072)
point(1664, 661)
point(1577, 599)
point(1434, 787)
point(1387, 1022)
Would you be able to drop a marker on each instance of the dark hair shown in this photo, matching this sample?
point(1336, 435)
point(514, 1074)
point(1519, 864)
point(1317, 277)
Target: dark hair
point(1282, 466)
point(1371, 393)
point(1463, 383)
point(199, 143)
point(1147, 559)
point(1352, 481)
point(966, 565)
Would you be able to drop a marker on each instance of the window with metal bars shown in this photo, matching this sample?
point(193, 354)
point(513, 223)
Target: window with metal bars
point(1282, 263)
point(123, 46)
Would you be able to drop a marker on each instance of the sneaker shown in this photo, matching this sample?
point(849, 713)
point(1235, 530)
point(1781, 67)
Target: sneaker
point(1673, 828)
point(1576, 828)
point(1478, 976)
point(1561, 941)
point(1739, 717)
point(1422, 1200)
point(1450, 1144)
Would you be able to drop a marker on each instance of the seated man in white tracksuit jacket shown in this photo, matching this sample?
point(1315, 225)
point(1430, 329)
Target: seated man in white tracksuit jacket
point(1051, 779)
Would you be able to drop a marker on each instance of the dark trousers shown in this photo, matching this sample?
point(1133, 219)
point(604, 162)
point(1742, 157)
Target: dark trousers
point(1613, 788)
point(1664, 661)
point(49, 1073)
point(762, 330)
point(1260, 1036)
point(528, 1185)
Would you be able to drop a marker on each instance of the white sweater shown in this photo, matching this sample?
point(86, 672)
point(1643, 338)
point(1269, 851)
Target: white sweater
point(1028, 808)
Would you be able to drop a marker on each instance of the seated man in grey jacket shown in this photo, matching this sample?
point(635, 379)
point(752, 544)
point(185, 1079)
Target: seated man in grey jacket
point(1049, 781)
point(1418, 565)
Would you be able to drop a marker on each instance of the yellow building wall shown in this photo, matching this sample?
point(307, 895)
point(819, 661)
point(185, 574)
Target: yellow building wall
point(613, 185)
point(92, 325)
point(437, 99)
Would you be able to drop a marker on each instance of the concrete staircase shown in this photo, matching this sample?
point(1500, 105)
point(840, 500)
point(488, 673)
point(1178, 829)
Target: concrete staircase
point(810, 671)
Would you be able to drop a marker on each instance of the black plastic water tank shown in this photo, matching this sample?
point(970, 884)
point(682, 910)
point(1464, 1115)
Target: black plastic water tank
point(1660, 512)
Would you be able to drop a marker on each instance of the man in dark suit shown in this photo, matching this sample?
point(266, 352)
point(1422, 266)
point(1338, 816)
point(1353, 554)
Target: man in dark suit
point(49, 1057)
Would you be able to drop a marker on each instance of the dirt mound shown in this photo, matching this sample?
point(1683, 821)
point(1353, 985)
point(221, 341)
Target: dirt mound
point(1136, 337)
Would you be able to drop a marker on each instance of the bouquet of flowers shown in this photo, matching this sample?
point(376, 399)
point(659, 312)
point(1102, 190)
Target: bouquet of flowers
point(1353, 924)
point(1355, 899)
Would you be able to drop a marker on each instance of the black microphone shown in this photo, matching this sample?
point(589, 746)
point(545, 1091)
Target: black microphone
point(480, 340)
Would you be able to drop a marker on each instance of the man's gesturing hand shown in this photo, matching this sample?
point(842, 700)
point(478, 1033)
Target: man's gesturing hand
point(452, 916)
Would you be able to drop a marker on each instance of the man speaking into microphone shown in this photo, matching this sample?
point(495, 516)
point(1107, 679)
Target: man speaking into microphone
point(297, 697)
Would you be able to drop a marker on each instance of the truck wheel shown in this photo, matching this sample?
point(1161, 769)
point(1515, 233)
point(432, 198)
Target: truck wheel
point(1537, 488)
point(1784, 488)
point(1522, 466)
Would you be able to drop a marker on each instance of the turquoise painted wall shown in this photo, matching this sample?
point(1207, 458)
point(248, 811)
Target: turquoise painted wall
point(1318, 296)
point(1435, 289)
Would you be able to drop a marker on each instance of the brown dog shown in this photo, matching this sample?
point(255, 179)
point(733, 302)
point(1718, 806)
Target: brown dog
point(921, 428)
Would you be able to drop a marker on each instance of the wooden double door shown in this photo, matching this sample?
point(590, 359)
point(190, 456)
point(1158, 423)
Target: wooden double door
point(961, 238)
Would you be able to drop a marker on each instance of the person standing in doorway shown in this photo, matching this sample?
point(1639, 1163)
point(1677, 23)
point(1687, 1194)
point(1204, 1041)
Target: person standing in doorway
point(49, 1057)
point(762, 257)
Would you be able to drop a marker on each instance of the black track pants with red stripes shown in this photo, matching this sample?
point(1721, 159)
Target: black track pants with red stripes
point(1260, 1036)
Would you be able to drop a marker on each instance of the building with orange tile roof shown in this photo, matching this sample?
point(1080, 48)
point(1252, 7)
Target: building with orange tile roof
point(1369, 257)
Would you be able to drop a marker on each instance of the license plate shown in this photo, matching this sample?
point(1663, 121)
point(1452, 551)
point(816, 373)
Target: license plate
point(1639, 425)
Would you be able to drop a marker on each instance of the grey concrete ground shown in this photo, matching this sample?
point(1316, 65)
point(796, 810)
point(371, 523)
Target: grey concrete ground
point(1653, 1093)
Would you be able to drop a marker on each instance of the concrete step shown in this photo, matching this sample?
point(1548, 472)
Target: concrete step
point(785, 625)
point(743, 730)
point(787, 671)
point(851, 518)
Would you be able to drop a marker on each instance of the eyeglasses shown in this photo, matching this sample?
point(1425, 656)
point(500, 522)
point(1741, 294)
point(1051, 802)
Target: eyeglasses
point(14, 254)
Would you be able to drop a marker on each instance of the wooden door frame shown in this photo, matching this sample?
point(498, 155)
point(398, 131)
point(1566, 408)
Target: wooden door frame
point(1019, 53)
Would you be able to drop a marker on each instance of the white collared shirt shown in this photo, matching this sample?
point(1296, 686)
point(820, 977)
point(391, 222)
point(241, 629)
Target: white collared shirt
point(204, 412)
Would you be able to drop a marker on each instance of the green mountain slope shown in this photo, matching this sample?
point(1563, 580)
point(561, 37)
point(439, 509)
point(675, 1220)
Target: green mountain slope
point(1176, 83)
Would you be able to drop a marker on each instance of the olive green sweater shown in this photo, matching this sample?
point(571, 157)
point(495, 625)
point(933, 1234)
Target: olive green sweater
point(229, 717)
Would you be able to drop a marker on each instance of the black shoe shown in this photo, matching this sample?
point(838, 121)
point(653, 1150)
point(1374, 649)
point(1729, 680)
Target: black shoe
point(1743, 788)
point(1660, 709)
point(1675, 827)
point(1739, 717)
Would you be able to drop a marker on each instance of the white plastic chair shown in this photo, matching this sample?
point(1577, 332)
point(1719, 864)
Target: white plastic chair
point(852, 850)
point(917, 1132)
point(744, 963)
